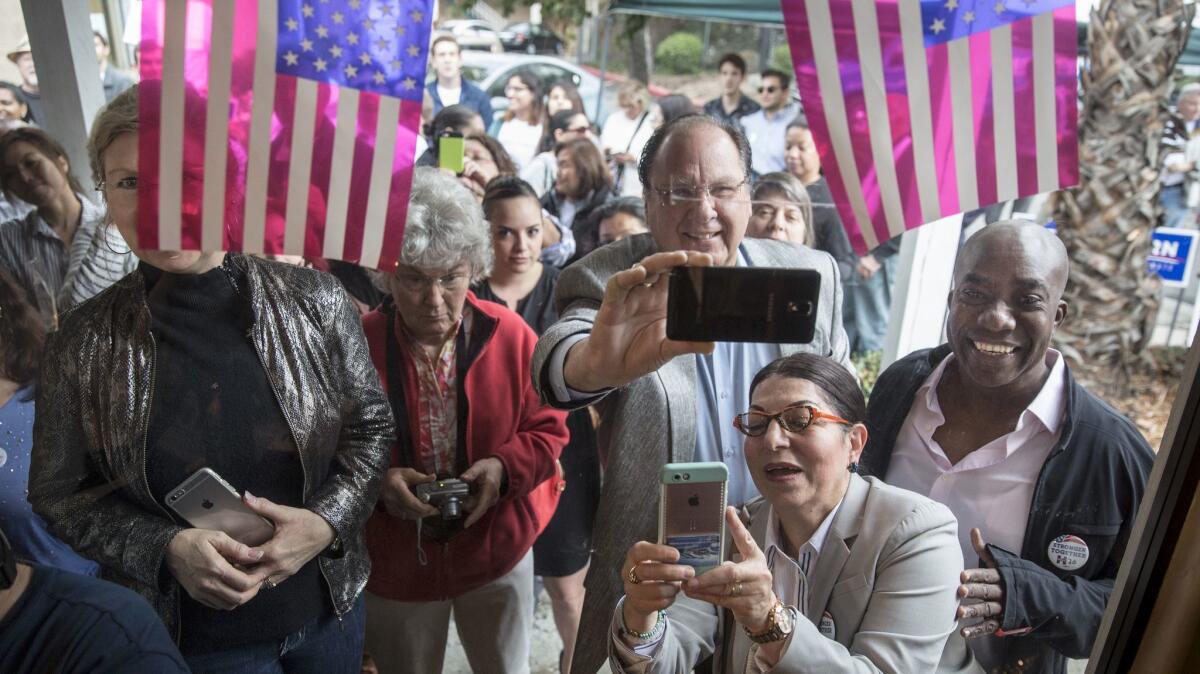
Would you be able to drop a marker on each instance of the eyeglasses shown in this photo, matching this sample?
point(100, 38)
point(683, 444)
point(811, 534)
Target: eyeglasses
point(689, 194)
point(416, 282)
point(767, 90)
point(793, 419)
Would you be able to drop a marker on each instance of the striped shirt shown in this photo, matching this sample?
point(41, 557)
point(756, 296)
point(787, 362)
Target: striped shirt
point(54, 277)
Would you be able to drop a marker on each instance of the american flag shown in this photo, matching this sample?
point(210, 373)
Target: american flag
point(280, 126)
point(923, 109)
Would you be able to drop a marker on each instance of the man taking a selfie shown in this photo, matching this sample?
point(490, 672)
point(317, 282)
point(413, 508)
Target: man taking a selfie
point(1043, 477)
point(660, 400)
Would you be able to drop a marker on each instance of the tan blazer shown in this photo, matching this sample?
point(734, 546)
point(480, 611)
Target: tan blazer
point(652, 420)
point(883, 592)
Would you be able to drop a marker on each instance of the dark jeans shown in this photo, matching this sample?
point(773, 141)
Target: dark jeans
point(324, 646)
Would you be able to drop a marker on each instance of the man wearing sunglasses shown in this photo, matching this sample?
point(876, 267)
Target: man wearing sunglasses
point(767, 129)
point(1043, 477)
point(661, 400)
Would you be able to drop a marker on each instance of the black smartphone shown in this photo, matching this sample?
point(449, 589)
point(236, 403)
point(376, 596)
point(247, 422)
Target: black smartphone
point(740, 304)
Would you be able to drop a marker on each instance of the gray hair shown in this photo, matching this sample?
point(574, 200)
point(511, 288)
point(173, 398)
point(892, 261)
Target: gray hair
point(1190, 89)
point(788, 186)
point(445, 226)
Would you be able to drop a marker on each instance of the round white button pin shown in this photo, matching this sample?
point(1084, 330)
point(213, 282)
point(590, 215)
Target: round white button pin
point(1068, 552)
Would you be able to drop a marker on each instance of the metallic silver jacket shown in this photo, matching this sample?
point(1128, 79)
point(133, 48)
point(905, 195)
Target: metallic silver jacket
point(88, 472)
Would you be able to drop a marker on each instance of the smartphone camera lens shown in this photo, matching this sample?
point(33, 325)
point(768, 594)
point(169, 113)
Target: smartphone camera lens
point(676, 477)
point(687, 476)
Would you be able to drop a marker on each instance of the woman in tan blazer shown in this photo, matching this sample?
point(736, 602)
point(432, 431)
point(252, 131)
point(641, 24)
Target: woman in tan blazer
point(833, 572)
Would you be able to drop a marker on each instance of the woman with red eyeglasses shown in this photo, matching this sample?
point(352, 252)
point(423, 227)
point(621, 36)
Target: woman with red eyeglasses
point(830, 571)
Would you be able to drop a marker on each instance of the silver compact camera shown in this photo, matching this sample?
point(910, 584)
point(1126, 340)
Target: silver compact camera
point(445, 495)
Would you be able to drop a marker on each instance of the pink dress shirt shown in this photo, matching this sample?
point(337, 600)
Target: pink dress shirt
point(992, 487)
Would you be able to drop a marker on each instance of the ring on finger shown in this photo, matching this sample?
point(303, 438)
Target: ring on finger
point(269, 584)
point(735, 588)
point(632, 576)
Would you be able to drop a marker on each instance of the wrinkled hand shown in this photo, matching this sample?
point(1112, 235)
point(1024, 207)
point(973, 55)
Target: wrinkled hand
point(654, 566)
point(398, 497)
point(745, 587)
point(300, 535)
point(629, 335)
point(867, 266)
point(203, 562)
point(485, 477)
point(981, 584)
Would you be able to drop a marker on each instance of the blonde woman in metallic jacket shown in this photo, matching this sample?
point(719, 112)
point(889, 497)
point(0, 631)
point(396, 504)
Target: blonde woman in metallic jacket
point(254, 369)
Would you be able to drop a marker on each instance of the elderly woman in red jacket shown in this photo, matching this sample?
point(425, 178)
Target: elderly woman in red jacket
point(471, 482)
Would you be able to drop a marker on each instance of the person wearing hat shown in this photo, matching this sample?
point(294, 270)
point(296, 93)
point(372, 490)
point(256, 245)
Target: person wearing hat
point(23, 58)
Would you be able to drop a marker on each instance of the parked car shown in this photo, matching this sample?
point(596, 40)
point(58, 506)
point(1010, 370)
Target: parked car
point(473, 34)
point(492, 71)
point(531, 39)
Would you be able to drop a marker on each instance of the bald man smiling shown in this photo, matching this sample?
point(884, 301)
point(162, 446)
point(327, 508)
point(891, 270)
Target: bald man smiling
point(1044, 477)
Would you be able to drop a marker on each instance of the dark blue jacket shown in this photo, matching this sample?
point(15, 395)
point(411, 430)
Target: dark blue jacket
point(1090, 487)
point(472, 96)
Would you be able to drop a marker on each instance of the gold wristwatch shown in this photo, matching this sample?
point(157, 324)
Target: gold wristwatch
point(780, 622)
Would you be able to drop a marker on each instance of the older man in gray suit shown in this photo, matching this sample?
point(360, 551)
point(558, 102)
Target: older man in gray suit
point(661, 400)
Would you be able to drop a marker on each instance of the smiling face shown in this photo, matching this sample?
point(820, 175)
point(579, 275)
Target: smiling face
point(1005, 304)
point(803, 161)
point(516, 234)
point(121, 195)
point(695, 156)
point(10, 107)
point(776, 217)
point(806, 470)
point(32, 176)
point(772, 93)
point(520, 96)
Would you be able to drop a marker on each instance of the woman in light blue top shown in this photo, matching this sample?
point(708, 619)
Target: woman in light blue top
point(21, 336)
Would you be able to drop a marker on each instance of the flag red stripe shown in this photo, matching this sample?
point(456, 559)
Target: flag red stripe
point(402, 168)
point(942, 114)
point(984, 119)
point(360, 175)
point(241, 99)
point(277, 170)
point(150, 121)
point(195, 109)
point(846, 44)
point(1066, 51)
point(322, 161)
point(799, 37)
point(892, 48)
point(1025, 107)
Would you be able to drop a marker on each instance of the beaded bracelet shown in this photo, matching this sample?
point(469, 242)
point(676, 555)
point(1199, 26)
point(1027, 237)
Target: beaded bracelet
point(660, 623)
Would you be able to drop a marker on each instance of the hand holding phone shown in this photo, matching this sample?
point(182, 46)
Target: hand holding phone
point(206, 501)
point(629, 336)
point(691, 512)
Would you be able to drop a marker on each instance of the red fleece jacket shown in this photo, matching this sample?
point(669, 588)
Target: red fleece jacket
point(506, 420)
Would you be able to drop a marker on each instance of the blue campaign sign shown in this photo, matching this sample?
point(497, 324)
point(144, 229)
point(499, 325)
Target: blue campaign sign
point(1172, 255)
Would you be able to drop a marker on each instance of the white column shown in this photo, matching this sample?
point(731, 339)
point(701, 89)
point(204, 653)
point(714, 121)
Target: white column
point(924, 274)
point(60, 36)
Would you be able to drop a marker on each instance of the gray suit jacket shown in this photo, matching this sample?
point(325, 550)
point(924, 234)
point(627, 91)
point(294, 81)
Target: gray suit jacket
point(886, 578)
point(652, 420)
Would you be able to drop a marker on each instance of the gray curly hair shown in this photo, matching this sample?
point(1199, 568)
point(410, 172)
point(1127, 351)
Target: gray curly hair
point(445, 226)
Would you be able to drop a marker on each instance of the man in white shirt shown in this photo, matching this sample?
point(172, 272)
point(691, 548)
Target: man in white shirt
point(1043, 477)
point(767, 129)
point(1181, 128)
point(450, 87)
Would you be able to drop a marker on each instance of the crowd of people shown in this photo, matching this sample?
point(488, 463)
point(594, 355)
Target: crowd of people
point(425, 441)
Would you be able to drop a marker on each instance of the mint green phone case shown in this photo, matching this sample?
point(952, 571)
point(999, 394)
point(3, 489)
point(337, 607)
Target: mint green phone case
point(691, 512)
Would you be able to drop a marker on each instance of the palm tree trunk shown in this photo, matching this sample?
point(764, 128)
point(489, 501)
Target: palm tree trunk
point(1106, 221)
